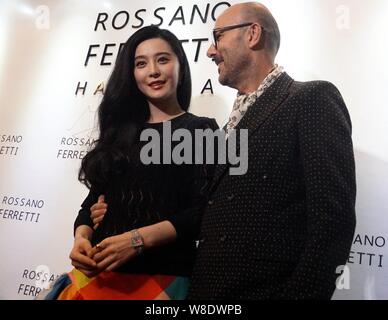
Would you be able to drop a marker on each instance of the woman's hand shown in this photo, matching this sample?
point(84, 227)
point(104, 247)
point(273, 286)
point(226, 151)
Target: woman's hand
point(80, 256)
point(98, 211)
point(113, 252)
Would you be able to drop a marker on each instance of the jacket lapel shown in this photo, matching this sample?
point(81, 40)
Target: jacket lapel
point(256, 115)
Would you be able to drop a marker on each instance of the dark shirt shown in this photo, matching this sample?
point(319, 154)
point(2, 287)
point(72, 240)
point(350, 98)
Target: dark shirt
point(153, 193)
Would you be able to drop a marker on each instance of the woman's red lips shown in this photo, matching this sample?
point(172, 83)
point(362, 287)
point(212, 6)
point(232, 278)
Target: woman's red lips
point(156, 83)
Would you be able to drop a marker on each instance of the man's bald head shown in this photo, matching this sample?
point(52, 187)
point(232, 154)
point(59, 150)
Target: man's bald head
point(257, 12)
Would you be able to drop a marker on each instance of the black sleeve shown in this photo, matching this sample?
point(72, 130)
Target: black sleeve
point(83, 217)
point(326, 148)
point(198, 179)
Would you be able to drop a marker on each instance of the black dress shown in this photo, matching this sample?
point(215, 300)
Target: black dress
point(147, 194)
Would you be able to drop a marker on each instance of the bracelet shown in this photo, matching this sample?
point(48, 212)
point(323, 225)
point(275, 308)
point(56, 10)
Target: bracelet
point(137, 241)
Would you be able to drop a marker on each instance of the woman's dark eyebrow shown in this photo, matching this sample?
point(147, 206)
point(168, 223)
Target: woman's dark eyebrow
point(158, 54)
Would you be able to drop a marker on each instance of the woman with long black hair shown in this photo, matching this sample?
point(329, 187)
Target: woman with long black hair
point(144, 247)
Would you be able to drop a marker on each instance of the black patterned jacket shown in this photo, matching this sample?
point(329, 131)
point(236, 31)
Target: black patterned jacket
point(281, 230)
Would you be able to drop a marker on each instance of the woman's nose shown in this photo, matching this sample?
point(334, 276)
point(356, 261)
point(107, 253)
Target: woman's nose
point(154, 70)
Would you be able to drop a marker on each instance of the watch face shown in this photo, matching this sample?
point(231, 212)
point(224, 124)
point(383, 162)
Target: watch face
point(136, 240)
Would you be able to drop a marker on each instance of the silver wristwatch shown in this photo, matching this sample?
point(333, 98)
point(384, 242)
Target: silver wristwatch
point(137, 241)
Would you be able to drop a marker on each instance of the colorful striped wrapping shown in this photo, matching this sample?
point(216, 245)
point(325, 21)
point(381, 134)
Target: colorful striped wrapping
point(118, 286)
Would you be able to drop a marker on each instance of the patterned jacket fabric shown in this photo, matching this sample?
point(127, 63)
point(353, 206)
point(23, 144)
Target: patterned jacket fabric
point(281, 230)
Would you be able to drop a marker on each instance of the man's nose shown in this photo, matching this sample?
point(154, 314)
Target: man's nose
point(211, 52)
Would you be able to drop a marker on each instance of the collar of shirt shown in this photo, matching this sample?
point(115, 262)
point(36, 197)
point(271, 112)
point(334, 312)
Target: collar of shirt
point(249, 99)
point(244, 101)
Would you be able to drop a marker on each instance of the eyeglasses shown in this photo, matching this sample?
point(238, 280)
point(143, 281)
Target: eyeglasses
point(218, 31)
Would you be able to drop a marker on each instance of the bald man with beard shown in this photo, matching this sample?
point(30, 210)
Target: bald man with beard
point(281, 230)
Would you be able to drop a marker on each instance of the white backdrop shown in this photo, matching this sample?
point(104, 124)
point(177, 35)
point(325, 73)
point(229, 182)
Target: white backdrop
point(45, 127)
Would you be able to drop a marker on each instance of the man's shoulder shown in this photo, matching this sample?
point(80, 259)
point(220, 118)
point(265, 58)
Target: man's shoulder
point(308, 88)
point(316, 97)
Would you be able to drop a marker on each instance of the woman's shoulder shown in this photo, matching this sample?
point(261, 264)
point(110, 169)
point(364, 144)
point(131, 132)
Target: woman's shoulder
point(199, 122)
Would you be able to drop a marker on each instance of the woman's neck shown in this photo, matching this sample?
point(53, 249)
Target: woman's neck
point(160, 113)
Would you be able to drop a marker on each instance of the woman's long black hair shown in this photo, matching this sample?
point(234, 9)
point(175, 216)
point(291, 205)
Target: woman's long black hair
point(124, 110)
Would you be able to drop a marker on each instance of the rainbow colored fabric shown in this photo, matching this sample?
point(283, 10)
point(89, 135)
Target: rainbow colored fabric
point(118, 286)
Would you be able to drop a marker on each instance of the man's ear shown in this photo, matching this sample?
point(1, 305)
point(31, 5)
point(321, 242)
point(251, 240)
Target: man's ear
point(256, 36)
